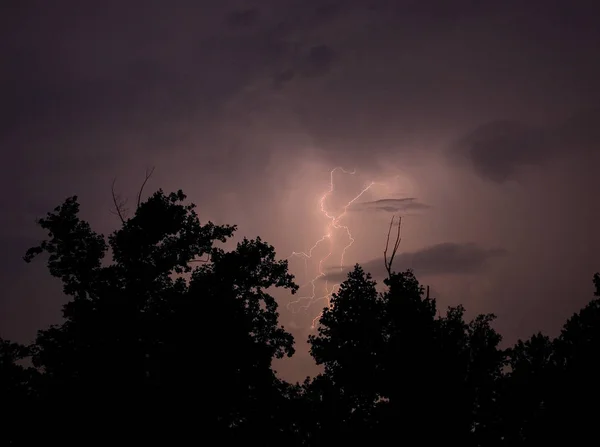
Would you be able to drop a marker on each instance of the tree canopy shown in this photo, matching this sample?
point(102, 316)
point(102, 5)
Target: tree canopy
point(173, 328)
point(169, 337)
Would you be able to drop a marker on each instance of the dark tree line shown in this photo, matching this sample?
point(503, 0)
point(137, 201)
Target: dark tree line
point(172, 340)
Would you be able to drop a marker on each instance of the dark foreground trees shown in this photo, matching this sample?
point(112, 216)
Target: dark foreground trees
point(169, 338)
point(402, 369)
point(172, 340)
point(551, 392)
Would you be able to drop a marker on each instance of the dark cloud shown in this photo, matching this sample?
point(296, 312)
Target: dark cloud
point(245, 18)
point(498, 149)
point(441, 259)
point(281, 78)
point(389, 205)
point(318, 61)
point(244, 110)
point(581, 131)
point(329, 11)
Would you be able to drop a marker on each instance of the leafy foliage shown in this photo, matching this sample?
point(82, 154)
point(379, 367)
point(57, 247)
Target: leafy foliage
point(169, 337)
point(139, 333)
point(397, 366)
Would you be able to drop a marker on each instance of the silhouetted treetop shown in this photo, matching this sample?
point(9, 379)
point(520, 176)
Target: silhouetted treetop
point(173, 317)
point(75, 251)
point(172, 337)
point(392, 365)
point(164, 235)
point(350, 328)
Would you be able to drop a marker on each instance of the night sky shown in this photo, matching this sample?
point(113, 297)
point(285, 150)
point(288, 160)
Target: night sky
point(478, 121)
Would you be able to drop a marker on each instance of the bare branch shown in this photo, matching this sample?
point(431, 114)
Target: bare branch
point(388, 262)
point(119, 203)
point(387, 243)
point(120, 209)
point(149, 173)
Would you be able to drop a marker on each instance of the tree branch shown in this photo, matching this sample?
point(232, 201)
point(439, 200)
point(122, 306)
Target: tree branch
point(388, 262)
point(119, 203)
point(149, 173)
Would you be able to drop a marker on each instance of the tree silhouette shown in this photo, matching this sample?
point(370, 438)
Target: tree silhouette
point(349, 337)
point(17, 392)
point(578, 351)
point(550, 393)
point(392, 368)
point(528, 390)
point(173, 336)
point(168, 337)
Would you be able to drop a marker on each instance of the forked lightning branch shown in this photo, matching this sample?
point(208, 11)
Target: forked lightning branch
point(334, 229)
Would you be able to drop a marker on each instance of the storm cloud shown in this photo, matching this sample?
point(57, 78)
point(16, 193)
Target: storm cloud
point(389, 205)
point(498, 149)
point(440, 259)
point(484, 114)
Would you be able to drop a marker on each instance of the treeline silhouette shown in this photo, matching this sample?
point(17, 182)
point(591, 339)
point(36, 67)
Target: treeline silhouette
point(172, 342)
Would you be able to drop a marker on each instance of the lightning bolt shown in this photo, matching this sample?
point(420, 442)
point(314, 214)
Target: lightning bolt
point(333, 226)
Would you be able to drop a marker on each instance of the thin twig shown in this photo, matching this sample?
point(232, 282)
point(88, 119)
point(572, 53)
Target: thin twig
point(119, 204)
point(148, 175)
point(387, 243)
point(388, 263)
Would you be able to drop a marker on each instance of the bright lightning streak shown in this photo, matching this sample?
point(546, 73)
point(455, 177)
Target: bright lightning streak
point(334, 225)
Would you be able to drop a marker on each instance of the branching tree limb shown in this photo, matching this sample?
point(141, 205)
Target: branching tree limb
point(120, 209)
point(389, 262)
point(149, 173)
point(119, 203)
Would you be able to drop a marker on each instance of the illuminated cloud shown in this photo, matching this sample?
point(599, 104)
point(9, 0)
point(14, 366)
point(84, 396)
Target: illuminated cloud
point(440, 259)
point(389, 205)
point(228, 100)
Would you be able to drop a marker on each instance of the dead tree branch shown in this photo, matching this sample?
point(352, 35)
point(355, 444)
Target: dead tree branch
point(388, 262)
point(120, 209)
point(149, 173)
point(119, 203)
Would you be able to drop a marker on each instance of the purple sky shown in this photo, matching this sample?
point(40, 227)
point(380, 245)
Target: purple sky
point(484, 114)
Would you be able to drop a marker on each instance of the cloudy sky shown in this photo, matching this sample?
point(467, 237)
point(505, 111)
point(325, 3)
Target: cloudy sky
point(477, 121)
